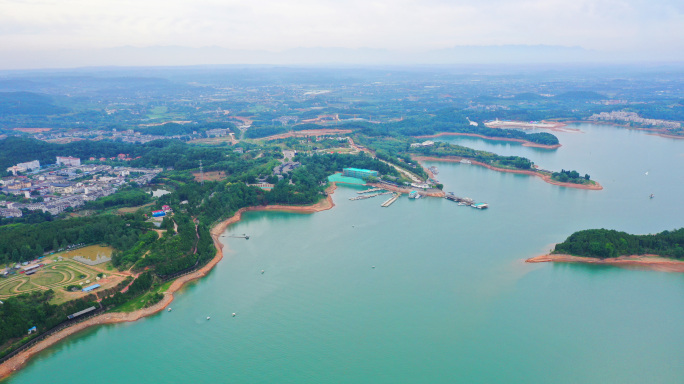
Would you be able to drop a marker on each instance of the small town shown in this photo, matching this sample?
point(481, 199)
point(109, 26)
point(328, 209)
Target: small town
point(66, 184)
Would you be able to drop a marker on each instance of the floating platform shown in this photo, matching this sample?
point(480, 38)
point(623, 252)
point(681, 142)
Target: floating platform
point(465, 201)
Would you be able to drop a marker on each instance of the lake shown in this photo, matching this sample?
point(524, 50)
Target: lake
point(424, 291)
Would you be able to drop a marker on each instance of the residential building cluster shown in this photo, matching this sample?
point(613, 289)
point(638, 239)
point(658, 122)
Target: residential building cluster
point(67, 184)
point(633, 117)
point(127, 136)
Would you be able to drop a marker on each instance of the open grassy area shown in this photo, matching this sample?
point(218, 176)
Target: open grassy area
point(212, 140)
point(141, 301)
point(55, 276)
point(122, 211)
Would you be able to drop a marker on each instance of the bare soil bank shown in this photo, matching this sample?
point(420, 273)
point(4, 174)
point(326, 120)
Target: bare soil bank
point(652, 262)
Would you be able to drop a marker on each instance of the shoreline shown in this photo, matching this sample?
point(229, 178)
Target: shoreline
point(525, 143)
point(650, 262)
point(406, 191)
point(546, 178)
point(19, 360)
point(662, 132)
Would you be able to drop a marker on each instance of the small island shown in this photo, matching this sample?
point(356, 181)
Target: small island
point(663, 251)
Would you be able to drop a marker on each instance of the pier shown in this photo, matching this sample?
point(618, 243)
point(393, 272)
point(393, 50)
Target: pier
point(391, 200)
point(362, 197)
point(370, 190)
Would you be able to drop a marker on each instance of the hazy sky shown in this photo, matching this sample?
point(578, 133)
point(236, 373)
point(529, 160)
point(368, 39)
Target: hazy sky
point(653, 27)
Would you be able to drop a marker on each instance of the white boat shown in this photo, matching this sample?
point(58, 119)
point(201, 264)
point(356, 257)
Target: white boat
point(466, 161)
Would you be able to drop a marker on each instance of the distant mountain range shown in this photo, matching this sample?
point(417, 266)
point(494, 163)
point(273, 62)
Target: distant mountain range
point(175, 55)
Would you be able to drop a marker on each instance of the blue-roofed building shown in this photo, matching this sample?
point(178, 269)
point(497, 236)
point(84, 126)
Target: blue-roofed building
point(359, 173)
point(90, 288)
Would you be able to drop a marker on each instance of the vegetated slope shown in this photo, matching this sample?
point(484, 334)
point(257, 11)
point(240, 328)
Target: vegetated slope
point(603, 243)
point(28, 103)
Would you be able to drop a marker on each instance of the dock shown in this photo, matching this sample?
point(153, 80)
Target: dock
point(391, 200)
point(465, 201)
point(362, 197)
point(370, 190)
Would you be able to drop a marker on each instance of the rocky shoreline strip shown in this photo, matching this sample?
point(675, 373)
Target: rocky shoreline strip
point(651, 262)
point(19, 360)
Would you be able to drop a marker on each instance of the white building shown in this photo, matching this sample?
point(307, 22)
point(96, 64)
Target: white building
point(23, 167)
point(67, 160)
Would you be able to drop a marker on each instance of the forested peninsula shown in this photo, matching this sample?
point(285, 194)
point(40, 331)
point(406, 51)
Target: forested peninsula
point(663, 251)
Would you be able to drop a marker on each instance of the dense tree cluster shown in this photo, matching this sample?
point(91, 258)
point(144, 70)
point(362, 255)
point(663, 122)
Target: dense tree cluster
point(176, 129)
point(14, 150)
point(445, 149)
point(26, 242)
point(19, 313)
point(570, 177)
point(604, 243)
point(128, 197)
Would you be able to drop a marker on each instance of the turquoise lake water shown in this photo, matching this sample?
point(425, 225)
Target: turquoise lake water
point(450, 299)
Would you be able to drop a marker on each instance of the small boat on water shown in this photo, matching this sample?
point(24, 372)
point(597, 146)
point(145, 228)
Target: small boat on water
point(466, 161)
point(169, 309)
point(414, 195)
point(652, 196)
point(208, 317)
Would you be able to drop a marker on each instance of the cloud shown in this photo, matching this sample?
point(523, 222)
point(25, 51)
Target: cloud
point(607, 25)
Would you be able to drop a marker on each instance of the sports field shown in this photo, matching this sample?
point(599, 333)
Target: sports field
point(55, 276)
